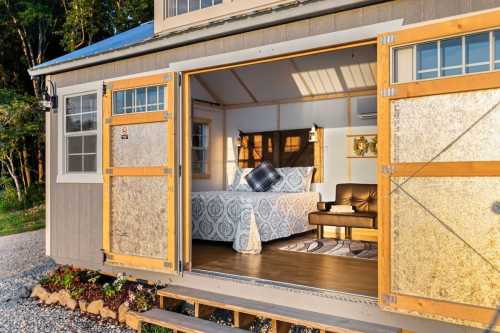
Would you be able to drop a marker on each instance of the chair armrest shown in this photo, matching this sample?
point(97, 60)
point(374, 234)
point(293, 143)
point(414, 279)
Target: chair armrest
point(324, 206)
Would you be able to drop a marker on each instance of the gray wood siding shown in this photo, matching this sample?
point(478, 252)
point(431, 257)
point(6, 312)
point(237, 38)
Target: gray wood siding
point(76, 209)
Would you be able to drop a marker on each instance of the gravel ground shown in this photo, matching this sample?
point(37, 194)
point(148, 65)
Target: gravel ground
point(22, 263)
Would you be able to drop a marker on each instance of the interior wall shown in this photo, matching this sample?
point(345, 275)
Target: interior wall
point(338, 117)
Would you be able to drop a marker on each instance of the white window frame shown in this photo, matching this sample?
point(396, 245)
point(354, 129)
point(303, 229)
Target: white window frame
point(78, 177)
point(206, 122)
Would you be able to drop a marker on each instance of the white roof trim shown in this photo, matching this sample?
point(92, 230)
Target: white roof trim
point(292, 46)
point(203, 34)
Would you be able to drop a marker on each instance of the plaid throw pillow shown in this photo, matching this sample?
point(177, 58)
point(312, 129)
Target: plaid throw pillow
point(263, 177)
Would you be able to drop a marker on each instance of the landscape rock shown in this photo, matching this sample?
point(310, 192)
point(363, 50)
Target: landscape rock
point(95, 307)
point(132, 320)
point(107, 313)
point(122, 312)
point(83, 305)
point(66, 300)
point(53, 299)
point(40, 293)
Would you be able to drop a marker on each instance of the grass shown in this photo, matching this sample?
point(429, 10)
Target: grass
point(150, 328)
point(14, 222)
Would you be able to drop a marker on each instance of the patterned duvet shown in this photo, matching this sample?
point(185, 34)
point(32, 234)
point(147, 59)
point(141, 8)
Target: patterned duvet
point(249, 218)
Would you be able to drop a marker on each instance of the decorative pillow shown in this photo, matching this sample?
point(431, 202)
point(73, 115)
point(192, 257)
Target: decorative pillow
point(263, 177)
point(239, 182)
point(297, 179)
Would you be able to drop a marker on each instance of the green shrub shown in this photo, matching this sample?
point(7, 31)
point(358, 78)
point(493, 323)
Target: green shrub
point(150, 328)
point(34, 196)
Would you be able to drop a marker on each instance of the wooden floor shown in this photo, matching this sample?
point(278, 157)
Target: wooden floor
point(350, 275)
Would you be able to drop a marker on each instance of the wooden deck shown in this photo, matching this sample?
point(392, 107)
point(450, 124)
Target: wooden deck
point(357, 276)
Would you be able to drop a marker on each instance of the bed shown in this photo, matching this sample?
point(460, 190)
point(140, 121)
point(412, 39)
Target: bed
point(249, 218)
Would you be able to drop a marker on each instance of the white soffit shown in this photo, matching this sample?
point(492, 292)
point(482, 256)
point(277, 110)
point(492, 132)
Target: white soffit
point(292, 46)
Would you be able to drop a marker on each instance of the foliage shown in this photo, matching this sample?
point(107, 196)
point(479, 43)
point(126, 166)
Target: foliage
point(150, 328)
point(91, 286)
point(21, 221)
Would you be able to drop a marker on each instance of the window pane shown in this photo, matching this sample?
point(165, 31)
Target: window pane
point(119, 102)
point(206, 3)
point(477, 48)
point(89, 121)
point(152, 99)
point(182, 6)
point(427, 75)
point(451, 56)
point(90, 144)
point(403, 64)
point(74, 145)
point(89, 103)
point(478, 68)
point(73, 123)
point(172, 8)
point(75, 163)
point(194, 5)
point(496, 36)
point(161, 98)
point(73, 105)
point(89, 163)
point(129, 101)
point(140, 100)
point(427, 56)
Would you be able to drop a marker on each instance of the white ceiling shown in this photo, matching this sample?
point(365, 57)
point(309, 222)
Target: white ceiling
point(333, 72)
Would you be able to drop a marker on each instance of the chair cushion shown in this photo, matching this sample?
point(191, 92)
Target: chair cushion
point(263, 177)
point(363, 197)
point(355, 220)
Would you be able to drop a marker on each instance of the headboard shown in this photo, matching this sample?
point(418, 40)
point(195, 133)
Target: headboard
point(285, 148)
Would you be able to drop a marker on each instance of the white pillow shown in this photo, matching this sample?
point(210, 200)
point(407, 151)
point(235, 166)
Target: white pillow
point(239, 182)
point(296, 179)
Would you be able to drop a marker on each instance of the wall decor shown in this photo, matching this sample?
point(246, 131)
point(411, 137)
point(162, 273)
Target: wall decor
point(362, 145)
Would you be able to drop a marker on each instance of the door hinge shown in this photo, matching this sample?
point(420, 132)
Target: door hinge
point(180, 170)
point(387, 39)
point(388, 92)
point(179, 76)
point(387, 169)
point(104, 256)
point(181, 266)
point(389, 299)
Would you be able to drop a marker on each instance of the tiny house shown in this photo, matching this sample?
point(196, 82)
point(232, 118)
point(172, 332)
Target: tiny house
point(391, 108)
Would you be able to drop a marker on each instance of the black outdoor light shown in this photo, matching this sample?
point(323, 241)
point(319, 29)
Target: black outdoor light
point(49, 102)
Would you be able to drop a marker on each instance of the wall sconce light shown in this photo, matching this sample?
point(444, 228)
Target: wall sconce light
point(313, 134)
point(238, 138)
point(49, 102)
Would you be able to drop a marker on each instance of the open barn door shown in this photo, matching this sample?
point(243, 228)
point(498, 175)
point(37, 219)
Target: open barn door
point(439, 169)
point(139, 159)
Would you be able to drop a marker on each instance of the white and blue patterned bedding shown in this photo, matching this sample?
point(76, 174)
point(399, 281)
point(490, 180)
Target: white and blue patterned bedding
point(249, 218)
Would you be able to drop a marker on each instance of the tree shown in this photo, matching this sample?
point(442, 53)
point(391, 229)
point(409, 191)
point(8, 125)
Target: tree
point(21, 126)
point(34, 22)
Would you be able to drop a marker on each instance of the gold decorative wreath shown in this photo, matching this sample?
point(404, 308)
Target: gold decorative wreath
point(361, 146)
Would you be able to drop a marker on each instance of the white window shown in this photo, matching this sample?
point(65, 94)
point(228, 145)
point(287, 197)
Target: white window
point(179, 7)
point(200, 146)
point(79, 133)
point(461, 55)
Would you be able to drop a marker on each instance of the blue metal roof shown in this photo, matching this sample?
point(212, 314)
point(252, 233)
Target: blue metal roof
point(125, 39)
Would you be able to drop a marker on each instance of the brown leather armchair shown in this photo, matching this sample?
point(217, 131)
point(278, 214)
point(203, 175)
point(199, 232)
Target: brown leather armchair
point(363, 198)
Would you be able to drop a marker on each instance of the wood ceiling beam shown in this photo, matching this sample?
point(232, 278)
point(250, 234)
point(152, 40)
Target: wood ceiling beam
point(209, 91)
point(244, 86)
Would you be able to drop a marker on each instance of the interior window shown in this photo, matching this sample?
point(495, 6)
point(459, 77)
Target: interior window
point(139, 100)
point(496, 35)
point(200, 146)
point(80, 133)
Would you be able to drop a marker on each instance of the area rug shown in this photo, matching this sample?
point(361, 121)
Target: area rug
point(333, 247)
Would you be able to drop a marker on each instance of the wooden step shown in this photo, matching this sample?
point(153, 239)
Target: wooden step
point(182, 323)
point(281, 316)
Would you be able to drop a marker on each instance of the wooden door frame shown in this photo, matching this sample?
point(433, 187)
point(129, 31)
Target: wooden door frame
point(388, 91)
point(167, 116)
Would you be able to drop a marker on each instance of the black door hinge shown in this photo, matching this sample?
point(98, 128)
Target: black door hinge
point(181, 266)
